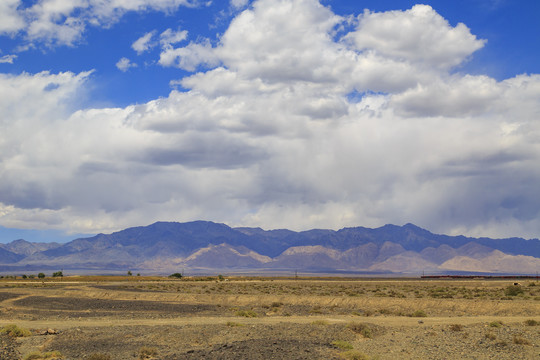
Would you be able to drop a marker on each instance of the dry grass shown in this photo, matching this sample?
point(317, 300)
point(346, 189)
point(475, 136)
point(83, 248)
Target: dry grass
point(354, 355)
point(519, 340)
point(15, 331)
point(147, 353)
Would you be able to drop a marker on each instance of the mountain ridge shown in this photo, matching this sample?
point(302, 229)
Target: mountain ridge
point(207, 246)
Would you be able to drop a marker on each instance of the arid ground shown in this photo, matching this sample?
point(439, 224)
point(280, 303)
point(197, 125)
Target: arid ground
point(269, 318)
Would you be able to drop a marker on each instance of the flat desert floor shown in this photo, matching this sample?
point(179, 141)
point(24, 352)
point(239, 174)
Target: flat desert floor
point(102, 318)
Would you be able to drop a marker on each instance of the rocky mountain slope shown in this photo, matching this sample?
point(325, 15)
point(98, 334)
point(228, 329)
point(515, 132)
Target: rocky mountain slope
point(206, 246)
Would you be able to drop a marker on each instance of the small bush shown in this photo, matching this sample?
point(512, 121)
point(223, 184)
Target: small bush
point(419, 313)
point(490, 336)
point(176, 276)
point(354, 355)
point(320, 322)
point(520, 340)
point(41, 276)
point(456, 327)
point(513, 290)
point(496, 324)
point(99, 356)
point(247, 313)
point(15, 331)
point(531, 322)
point(233, 324)
point(343, 345)
point(362, 329)
point(147, 353)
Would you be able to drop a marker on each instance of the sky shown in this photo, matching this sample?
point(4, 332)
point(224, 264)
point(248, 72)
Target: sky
point(294, 114)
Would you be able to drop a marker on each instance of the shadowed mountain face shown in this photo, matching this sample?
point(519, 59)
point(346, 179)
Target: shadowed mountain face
point(203, 245)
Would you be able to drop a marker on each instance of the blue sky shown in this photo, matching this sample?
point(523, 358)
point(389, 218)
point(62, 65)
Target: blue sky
point(290, 113)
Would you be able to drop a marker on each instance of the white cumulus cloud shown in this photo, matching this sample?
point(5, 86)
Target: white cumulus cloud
point(144, 43)
point(282, 124)
point(124, 64)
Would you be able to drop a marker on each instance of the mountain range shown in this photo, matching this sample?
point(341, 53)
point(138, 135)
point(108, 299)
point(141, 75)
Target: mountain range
point(208, 247)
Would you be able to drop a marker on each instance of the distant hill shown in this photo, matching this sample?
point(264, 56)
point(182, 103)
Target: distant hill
point(203, 246)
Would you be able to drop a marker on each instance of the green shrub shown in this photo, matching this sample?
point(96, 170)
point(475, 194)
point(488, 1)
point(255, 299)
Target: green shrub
point(320, 322)
point(513, 290)
point(41, 275)
point(419, 313)
point(176, 275)
point(343, 345)
point(353, 355)
point(247, 313)
point(496, 324)
point(233, 324)
point(362, 329)
point(15, 331)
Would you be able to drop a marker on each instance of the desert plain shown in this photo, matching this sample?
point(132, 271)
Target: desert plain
point(138, 317)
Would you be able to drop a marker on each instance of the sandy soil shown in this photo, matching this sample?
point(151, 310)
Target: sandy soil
point(278, 319)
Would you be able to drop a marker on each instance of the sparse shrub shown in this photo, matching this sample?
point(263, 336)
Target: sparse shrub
point(320, 322)
point(15, 331)
point(147, 352)
point(176, 275)
point(99, 356)
point(353, 355)
point(513, 290)
point(277, 304)
point(490, 336)
point(362, 329)
point(496, 324)
point(221, 277)
point(247, 313)
point(518, 340)
point(233, 324)
point(419, 313)
point(531, 322)
point(41, 275)
point(24, 276)
point(456, 327)
point(341, 344)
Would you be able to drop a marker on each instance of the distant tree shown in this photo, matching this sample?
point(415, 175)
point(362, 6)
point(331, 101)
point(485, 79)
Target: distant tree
point(130, 273)
point(176, 275)
point(58, 274)
point(41, 275)
point(24, 276)
point(138, 274)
